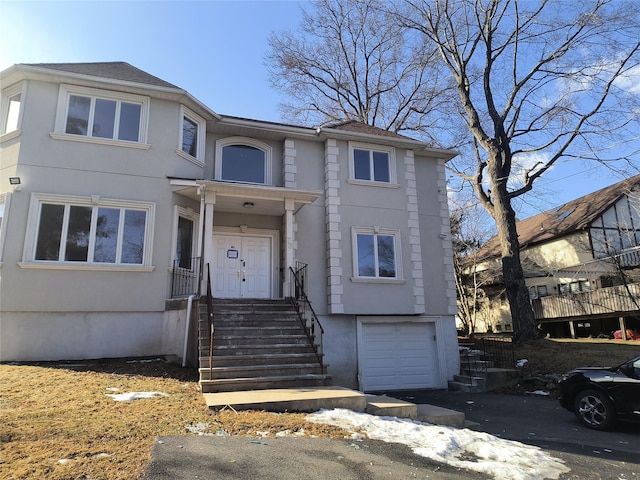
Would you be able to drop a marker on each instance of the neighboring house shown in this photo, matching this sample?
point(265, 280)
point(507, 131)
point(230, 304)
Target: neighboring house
point(112, 180)
point(581, 262)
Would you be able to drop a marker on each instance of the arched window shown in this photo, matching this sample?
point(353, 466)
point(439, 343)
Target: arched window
point(240, 159)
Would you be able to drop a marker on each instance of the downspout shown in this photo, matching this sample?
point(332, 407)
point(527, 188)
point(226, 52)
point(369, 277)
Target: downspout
point(187, 324)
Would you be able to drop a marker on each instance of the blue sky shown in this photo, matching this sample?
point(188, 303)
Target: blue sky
point(213, 49)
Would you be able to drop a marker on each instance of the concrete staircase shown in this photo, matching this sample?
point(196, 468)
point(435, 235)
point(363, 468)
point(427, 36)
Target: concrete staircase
point(479, 374)
point(257, 345)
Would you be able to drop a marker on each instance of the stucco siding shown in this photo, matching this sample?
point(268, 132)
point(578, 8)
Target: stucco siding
point(34, 336)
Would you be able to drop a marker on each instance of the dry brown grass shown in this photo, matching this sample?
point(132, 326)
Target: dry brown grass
point(57, 422)
point(559, 355)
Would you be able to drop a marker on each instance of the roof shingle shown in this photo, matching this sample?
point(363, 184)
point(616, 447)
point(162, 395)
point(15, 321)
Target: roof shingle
point(115, 70)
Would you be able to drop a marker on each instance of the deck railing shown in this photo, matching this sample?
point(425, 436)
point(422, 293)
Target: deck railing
point(611, 301)
point(303, 307)
point(210, 318)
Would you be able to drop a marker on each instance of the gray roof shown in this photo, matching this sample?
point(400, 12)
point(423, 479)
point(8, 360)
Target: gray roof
point(114, 70)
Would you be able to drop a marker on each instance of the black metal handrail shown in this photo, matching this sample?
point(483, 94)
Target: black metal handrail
point(186, 276)
point(303, 307)
point(500, 350)
point(210, 318)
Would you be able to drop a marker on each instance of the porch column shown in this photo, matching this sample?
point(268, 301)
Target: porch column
point(207, 254)
point(572, 328)
point(288, 245)
point(623, 330)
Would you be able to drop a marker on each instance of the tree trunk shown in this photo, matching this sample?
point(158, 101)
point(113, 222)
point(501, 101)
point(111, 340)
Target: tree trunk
point(524, 323)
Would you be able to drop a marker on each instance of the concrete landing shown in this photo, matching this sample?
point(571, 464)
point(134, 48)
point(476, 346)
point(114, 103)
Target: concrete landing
point(314, 399)
point(289, 399)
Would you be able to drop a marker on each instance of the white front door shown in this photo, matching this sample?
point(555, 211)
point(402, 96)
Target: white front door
point(241, 267)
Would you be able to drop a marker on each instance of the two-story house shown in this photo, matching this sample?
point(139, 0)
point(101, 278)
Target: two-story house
point(111, 180)
point(581, 263)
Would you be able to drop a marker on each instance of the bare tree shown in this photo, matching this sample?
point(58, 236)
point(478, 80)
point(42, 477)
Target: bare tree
point(536, 82)
point(350, 60)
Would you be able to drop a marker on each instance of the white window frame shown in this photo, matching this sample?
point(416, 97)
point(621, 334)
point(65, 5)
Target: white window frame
point(185, 112)
point(399, 278)
point(5, 103)
point(95, 201)
point(250, 142)
point(189, 214)
point(5, 201)
point(65, 93)
point(390, 151)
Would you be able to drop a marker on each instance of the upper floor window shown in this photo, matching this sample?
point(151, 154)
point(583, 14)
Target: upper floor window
point(102, 115)
point(376, 253)
point(11, 113)
point(371, 164)
point(192, 135)
point(243, 160)
point(618, 228)
point(89, 231)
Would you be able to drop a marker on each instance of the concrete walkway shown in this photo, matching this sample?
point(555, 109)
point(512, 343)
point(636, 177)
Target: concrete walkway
point(314, 399)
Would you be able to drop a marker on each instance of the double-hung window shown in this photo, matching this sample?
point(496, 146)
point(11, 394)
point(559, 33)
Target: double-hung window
point(371, 164)
point(192, 136)
point(102, 116)
point(89, 231)
point(376, 253)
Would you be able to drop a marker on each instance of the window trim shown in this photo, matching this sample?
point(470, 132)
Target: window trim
point(200, 146)
point(399, 278)
point(33, 222)
point(66, 91)
point(250, 142)
point(7, 95)
point(189, 214)
point(390, 151)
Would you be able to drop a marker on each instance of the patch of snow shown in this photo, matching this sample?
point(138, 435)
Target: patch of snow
point(539, 392)
point(128, 397)
point(112, 389)
point(461, 448)
point(198, 428)
point(521, 363)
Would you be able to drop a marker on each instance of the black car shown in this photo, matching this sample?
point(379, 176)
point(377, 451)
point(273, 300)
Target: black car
point(601, 396)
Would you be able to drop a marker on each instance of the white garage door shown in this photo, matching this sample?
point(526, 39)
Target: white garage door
point(397, 356)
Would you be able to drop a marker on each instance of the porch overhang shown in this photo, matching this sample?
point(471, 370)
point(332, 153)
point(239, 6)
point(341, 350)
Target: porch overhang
point(245, 198)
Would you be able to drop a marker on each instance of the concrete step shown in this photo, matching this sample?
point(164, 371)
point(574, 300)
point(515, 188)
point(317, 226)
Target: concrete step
point(245, 371)
point(270, 359)
point(382, 405)
point(224, 350)
point(454, 386)
point(264, 383)
point(441, 416)
point(249, 340)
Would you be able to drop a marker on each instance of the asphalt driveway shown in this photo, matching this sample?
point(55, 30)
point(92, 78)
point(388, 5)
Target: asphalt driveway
point(538, 421)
